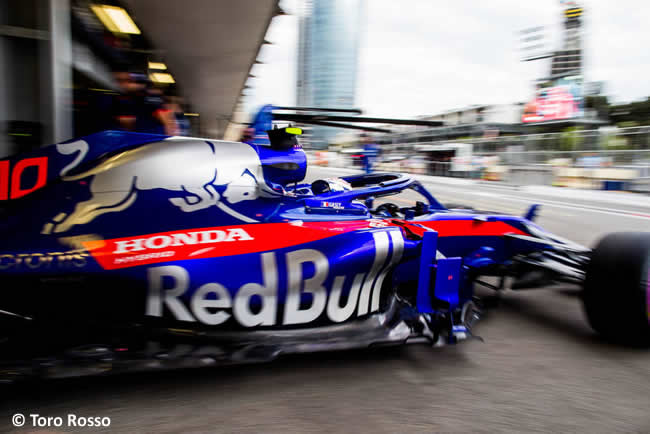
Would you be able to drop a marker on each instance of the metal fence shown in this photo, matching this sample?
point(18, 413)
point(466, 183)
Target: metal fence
point(619, 146)
point(534, 158)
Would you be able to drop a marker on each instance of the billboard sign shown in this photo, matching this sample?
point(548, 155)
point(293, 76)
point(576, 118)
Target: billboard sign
point(555, 100)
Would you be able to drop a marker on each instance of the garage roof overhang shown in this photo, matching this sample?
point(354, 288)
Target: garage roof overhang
point(209, 46)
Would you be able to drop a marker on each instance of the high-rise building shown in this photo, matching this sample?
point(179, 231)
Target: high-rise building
point(328, 52)
point(568, 60)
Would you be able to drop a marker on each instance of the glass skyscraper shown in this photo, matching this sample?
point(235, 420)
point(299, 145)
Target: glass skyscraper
point(328, 51)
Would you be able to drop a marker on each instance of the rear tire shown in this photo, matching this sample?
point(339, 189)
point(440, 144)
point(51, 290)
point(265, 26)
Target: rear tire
point(617, 289)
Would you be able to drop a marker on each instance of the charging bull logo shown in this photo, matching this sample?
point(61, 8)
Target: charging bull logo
point(193, 168)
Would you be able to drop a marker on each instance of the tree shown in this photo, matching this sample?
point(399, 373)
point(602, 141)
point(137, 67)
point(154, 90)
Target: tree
point(599, 103)
point(570, 139)
point(638, 112)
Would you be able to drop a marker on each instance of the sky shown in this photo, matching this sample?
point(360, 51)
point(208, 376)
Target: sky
point(423, 57)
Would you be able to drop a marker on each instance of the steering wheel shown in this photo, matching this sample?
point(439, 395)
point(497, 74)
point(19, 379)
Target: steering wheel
point(389, 208)
point(320, 186)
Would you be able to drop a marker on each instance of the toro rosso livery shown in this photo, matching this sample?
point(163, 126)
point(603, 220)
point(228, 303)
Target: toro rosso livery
point(124, 251)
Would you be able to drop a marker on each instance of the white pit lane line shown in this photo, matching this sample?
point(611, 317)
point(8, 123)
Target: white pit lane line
point(486, 194)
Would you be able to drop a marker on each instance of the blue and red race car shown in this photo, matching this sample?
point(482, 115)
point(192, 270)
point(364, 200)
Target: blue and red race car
point(119, 249)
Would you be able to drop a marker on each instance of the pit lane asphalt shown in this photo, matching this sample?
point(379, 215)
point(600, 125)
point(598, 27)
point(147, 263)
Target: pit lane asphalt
point(541, 369)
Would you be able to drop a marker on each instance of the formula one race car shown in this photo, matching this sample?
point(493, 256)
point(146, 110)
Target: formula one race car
point(125, 251)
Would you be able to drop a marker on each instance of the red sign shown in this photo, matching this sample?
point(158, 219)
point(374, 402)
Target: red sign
point(11, 179)
point(552, 103)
